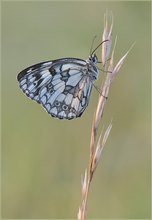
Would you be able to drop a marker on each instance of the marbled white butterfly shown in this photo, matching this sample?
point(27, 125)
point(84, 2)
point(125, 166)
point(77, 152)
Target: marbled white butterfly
point(61, 86)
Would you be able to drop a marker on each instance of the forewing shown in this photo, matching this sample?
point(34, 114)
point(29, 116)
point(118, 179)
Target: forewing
point(60, 86)
point(34, 78)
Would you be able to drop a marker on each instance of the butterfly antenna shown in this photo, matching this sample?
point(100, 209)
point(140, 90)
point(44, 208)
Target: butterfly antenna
point(92, 44)
point(98, 46)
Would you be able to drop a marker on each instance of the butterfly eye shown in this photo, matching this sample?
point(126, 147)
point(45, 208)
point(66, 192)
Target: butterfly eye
point(94, 58)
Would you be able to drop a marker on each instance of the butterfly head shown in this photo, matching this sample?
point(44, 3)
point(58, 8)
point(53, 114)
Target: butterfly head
point(93, 58)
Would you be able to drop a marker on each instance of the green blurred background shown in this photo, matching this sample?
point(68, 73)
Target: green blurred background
point(42, 157)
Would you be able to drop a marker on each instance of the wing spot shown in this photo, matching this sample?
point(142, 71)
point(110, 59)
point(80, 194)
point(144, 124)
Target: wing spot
point(26, 92)
point(72, 110)
point(51, 91)
point(34, 83)
point(52, 71)
point(53, 111)
point(49, 86)
point(57, 104)
point(71, 115)
point(64, 107)
point(62, 115)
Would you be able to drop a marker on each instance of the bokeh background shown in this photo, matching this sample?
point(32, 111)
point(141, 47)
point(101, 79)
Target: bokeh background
point(42, 157)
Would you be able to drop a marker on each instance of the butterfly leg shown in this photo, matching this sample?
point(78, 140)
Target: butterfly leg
point(99, 90)
point(104, 71)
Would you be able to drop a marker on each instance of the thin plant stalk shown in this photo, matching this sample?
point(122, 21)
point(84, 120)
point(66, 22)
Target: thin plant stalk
point(96, 149)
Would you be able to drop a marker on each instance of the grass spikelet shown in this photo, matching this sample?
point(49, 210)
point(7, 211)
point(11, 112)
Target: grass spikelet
point(96, 149)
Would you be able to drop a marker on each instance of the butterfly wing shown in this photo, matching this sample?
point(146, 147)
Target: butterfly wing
point(62, 86)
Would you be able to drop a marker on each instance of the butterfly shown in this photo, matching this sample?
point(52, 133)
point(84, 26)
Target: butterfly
point(62, 86)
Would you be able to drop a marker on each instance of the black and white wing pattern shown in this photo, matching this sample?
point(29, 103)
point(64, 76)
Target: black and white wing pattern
point(62, 86)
